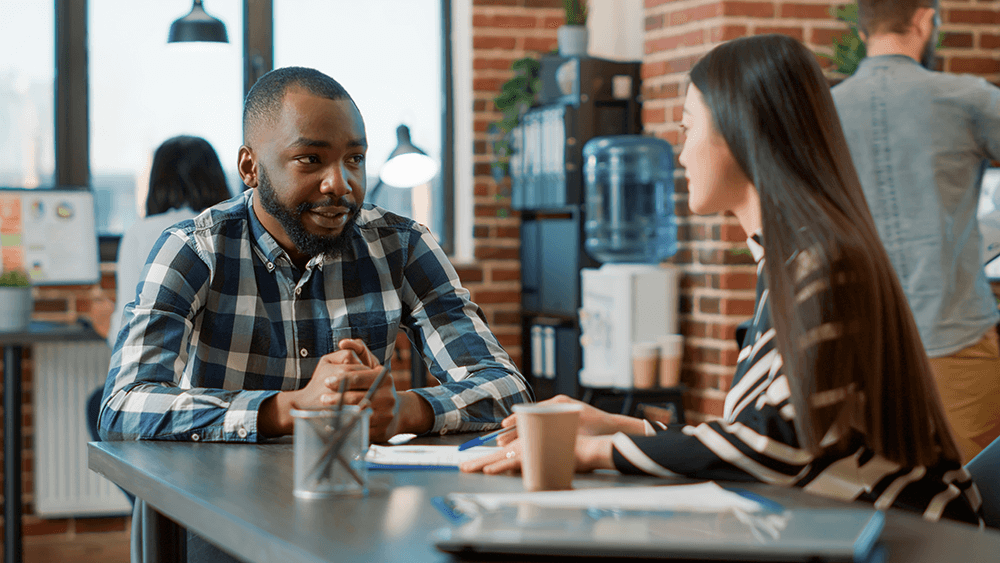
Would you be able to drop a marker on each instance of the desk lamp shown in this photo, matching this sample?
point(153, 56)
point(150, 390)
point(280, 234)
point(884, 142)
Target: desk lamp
point(197, 25)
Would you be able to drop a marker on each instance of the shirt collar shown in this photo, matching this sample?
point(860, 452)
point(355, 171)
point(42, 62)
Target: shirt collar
point(756, 248)
point(261, 237)
point(892, 58)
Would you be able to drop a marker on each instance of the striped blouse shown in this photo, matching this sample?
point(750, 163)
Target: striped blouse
point(756, 441)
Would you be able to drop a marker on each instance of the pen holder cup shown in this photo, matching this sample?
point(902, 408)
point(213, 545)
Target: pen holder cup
point(329, 450)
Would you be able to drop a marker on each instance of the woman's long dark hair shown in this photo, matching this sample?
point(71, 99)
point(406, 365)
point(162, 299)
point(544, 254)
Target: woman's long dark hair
point(186, 173)
point(772, 105)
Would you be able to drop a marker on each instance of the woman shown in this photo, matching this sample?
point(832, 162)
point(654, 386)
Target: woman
point(833, 391)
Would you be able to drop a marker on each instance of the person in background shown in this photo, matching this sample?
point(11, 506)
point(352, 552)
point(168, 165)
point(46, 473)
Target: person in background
point(833, 390)
point(268, 301)
point(921, 141)
point(186, 177)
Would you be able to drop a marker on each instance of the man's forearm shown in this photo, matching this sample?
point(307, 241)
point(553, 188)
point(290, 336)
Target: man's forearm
point(416, 414)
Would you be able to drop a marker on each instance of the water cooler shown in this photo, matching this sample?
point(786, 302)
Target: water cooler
point(630, 228)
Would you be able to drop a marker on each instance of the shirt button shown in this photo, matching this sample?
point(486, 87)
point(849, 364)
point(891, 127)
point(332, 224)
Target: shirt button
point(242, 432)
point(303, 352)
point(270, 266)
point(444, 431)
point(195, 437)
point(298, 291)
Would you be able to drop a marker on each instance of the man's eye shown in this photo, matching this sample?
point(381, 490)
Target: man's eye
point(358, 158)
point(308, 159)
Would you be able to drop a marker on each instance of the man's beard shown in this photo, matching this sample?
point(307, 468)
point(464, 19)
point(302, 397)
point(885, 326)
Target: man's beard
point(291, 221)
point(928, 59)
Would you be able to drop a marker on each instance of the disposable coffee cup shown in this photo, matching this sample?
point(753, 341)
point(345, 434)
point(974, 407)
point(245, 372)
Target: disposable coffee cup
point(329, 451)
point(548, 443)
point(671, 354)
point(645, 364)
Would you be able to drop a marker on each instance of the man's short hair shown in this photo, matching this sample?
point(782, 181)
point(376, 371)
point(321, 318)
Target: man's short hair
point(263, 102)
point(889, 16)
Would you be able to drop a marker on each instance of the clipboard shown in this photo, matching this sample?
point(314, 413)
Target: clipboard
point(839, 535)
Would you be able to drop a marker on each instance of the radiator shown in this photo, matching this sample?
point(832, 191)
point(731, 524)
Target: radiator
point(65, 375)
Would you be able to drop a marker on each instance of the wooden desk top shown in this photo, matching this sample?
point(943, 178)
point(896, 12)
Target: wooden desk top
point(239, 496)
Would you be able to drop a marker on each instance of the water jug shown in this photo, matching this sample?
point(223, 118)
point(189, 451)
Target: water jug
point(629, 182)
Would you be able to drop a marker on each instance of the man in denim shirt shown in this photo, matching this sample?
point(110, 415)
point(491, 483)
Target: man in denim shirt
point(921, 141)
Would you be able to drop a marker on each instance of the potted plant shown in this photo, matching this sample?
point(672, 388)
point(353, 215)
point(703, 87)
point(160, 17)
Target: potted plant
point(16, 303)
point(573, 36)
point(516, 97)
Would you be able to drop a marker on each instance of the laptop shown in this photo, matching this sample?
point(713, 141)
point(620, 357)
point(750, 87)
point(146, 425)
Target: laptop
point(848, 534)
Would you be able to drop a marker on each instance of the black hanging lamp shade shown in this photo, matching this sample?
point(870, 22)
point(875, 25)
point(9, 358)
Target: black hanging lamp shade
point(407, 165)
point(198, 26)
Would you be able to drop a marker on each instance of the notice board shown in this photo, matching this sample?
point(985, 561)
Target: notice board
point(51, 234)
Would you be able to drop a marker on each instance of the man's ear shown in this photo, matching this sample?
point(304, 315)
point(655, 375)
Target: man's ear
point(246, 164)
point(924, 21)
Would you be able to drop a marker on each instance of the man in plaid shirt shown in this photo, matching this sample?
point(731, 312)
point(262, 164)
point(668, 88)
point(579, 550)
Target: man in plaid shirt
point(267, 301)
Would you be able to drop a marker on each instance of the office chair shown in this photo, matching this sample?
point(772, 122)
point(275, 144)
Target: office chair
point(985, 470)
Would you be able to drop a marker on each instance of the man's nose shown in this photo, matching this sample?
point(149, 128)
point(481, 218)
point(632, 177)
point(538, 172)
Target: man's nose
point(335, 182)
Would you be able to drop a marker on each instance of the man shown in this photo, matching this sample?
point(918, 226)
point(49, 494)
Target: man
point(920, 141)
point(269, 300)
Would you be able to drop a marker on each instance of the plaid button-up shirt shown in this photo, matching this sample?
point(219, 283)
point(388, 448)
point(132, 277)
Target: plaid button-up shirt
point(222, 320)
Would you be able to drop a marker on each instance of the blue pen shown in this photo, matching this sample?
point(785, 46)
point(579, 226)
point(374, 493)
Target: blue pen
point(484, 438)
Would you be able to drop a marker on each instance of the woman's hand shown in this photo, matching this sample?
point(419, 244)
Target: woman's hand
point(593, 421)
point(508, 459)
point(592, 452)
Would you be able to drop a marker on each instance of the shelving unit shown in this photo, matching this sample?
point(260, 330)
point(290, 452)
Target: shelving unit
point(582, 98)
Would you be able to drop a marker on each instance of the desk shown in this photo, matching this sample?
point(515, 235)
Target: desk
point(239, 496)
point(13, 343)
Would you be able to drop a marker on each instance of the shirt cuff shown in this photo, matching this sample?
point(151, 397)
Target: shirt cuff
point(240, 422)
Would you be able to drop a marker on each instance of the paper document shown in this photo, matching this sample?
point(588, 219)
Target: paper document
point(701, 497)
point(424, 455)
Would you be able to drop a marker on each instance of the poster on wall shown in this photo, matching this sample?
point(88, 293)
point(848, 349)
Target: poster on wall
point(49, 234)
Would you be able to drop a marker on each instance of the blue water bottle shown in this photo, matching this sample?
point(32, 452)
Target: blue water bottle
point(629, 183)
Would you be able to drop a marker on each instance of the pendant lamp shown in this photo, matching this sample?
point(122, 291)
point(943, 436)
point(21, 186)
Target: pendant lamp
point(198, 26)
point(407, 165)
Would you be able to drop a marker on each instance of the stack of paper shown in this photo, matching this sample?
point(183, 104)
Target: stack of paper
point(409, 457)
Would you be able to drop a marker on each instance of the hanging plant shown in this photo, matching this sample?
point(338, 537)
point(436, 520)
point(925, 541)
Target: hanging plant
point(576, 12)
point(516, 97)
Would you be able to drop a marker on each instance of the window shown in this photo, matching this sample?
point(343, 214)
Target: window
point(144, 91)
point(27, 75)
point(388, 54)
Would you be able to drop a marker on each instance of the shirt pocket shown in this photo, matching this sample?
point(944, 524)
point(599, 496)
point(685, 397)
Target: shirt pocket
point(377, 337)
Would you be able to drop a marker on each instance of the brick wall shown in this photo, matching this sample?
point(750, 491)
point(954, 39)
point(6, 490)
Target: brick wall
point(718, 283)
